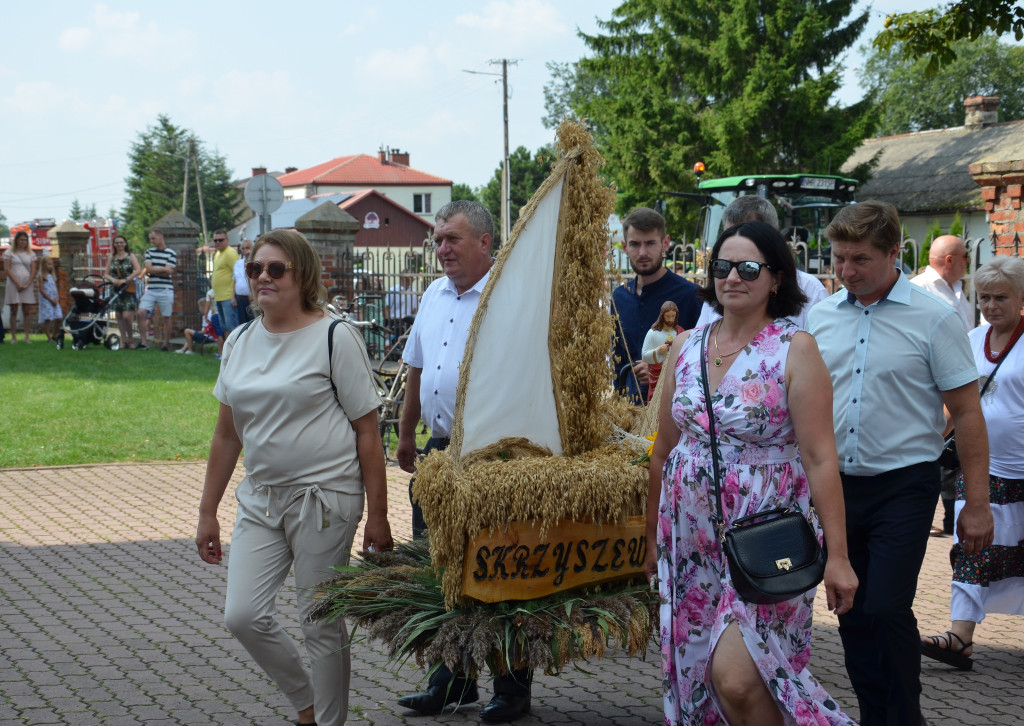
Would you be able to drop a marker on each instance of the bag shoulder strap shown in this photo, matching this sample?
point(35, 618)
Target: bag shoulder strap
point(717, 517)
point(330, 357)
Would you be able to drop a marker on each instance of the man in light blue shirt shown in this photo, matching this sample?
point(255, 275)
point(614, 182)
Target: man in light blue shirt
point(896, 354)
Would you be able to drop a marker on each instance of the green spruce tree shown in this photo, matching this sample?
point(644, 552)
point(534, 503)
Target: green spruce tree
point(746, 87)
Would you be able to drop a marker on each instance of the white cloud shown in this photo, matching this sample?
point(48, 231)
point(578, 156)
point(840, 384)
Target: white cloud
point(517, 21)
point(368, 22)
point(41, 98)
point(405, 63)
point(74, 39)
point(115, 34)
point(244, 94)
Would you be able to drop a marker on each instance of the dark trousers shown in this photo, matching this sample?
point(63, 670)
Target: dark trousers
point(419, 526)
point(513, 683)
point(243, 312)
point(888, 517)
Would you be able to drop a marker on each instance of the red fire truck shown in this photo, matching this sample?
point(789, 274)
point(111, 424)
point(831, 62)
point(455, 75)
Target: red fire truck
point(101, 234)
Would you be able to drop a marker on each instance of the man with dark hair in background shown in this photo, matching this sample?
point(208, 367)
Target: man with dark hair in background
point(637, 302)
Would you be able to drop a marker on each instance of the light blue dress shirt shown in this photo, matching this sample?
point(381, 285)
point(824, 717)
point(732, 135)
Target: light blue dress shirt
point(889, 363)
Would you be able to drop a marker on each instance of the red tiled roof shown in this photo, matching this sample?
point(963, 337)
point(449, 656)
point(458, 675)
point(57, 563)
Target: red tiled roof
point(361, 169)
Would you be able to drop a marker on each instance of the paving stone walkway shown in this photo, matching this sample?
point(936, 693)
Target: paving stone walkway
point(107, 616)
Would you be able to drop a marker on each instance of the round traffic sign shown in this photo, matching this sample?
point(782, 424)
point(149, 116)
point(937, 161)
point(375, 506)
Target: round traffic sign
point(264, 194)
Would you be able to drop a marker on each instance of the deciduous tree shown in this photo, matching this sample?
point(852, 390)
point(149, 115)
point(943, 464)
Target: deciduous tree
point(156, 181)
point(932, 33)
point(912, 100)
point(526, 173)
point(463, 191)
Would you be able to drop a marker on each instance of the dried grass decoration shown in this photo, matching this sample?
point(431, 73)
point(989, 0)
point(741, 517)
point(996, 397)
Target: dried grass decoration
point(395, 597)
point(538, 438)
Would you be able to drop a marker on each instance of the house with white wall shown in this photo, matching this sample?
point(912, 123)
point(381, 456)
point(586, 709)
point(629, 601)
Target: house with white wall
point(388, 173)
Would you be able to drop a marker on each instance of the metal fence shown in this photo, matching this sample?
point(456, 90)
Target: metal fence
point(387, 283)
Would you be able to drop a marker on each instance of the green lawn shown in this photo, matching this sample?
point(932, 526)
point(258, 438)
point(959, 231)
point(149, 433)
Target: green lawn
point(99, 406)
point(96, 405)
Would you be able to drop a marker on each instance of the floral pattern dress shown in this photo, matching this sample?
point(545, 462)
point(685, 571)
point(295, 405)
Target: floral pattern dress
point(47, 310)
point(761, 467)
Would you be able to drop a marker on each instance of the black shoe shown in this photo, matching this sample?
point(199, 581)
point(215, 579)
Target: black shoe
point(505, 707)
point(433, 700)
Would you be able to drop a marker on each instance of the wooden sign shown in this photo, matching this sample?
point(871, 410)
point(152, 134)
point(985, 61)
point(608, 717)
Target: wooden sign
point(516, 564)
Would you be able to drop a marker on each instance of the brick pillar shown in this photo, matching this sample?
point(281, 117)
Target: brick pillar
point(72, 244)
point(182, 235)
point(1001, 185)
point(332, 232)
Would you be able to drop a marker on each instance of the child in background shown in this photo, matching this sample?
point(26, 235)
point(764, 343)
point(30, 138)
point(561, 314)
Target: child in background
point(50, 313)
point(207, 335)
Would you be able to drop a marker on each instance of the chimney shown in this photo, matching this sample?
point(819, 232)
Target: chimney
point(290, 169)
point(981, 111)
point(400, 157)
point(382, 155)
point(257, 170)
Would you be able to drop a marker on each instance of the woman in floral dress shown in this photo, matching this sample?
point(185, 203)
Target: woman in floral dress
point(122, 272)
point(724, 660)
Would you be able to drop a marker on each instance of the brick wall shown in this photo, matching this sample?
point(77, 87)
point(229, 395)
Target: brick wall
point(1001, 189)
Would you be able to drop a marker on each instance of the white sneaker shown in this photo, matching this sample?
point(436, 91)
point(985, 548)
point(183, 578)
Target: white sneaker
point(190, 352)
point(180, 350)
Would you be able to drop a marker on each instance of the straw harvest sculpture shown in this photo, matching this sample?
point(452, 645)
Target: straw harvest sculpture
point(536, 457)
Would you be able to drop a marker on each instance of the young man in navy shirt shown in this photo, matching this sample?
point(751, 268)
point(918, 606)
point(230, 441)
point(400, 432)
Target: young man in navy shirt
point(638, 302)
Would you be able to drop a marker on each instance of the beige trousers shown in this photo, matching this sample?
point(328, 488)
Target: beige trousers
point(277, 529)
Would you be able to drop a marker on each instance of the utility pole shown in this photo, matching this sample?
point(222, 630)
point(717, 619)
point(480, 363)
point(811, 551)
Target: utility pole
point(184, 191)
point(199, 187)
point(506, 181)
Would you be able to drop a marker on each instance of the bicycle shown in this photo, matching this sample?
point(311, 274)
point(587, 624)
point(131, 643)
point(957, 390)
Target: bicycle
point(389, 377)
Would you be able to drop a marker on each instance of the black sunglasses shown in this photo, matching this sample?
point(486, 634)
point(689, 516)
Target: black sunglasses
point(747, 270)
point(276, 270)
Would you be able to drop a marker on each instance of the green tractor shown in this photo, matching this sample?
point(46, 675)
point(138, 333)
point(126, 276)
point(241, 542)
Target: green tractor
point(806, 204)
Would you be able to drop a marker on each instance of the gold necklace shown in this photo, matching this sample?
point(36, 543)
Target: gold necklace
point(719, 356)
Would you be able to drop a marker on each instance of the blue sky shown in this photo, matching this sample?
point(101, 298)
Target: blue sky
point(276, 85)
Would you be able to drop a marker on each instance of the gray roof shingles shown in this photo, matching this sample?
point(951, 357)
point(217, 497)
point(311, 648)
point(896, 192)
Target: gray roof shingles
point(928, 170)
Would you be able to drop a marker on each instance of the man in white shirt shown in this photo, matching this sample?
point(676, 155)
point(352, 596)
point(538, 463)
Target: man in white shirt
point(752, 208)
point(434, 351)
point(947, 265)
point(241, 296)
point(400, 302)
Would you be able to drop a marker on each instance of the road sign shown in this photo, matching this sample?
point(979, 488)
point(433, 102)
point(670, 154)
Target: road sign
point(264, 194)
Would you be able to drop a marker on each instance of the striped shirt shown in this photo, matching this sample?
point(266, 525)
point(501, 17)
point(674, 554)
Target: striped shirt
point(161, 258)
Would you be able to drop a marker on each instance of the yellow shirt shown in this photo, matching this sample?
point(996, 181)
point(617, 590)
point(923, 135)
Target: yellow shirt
point(223, 274)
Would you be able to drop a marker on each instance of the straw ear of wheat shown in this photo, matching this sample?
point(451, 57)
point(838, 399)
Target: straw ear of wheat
point(396, 599)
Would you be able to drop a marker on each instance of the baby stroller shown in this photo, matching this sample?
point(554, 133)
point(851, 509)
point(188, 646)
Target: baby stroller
point(87, 322)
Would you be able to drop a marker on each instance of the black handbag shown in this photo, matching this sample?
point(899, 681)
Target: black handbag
point(774, 555)
point(948, 458)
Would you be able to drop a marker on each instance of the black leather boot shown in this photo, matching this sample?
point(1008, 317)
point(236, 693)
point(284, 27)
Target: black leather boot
point(511, 697)
point(443, 688)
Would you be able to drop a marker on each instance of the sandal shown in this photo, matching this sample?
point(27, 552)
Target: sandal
point(940, 647)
